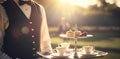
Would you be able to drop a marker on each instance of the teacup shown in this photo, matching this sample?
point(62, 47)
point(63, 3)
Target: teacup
point(66, 45)
point(87, 49)
point(60, 50)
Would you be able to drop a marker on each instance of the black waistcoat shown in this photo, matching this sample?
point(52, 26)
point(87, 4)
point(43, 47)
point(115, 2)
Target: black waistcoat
point(22, 36)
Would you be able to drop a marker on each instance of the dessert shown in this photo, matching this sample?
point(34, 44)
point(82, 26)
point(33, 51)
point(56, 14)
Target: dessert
point(70, 33)
point(83, 34)
point(76, 34)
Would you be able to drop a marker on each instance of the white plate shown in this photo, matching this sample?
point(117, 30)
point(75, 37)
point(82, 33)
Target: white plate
point(65, 36)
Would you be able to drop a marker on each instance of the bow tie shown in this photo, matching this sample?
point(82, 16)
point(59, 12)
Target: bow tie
point(24, 2)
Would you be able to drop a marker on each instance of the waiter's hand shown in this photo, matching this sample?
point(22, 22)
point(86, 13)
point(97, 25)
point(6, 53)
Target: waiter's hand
point(47, 52)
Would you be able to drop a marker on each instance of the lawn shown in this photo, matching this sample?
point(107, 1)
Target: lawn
point(104, 41)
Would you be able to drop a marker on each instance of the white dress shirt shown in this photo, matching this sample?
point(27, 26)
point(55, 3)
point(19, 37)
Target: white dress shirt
point(26, 9)
point(45, 38)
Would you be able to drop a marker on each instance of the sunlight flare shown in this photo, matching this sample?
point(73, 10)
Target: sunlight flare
point(82, 3)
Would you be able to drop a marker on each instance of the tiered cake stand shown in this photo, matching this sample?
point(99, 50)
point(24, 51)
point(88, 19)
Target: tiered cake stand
point(75, 41)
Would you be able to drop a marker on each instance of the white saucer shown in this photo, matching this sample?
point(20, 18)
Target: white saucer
point(95, 54)
point(56, 55)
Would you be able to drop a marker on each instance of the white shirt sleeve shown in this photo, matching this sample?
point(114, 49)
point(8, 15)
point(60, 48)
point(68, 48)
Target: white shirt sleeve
point(45, 37)
point(4, 18)
point(3, 25)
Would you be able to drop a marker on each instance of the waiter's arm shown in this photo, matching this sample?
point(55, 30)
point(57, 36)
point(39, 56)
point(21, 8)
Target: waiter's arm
point(45, 37)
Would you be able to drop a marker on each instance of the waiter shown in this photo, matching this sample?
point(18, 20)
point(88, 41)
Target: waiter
point(25, 28)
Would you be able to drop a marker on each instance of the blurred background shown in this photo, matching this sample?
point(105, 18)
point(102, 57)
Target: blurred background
point(101, 18)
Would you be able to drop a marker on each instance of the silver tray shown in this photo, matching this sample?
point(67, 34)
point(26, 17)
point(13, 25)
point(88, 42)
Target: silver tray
point(96, 54)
